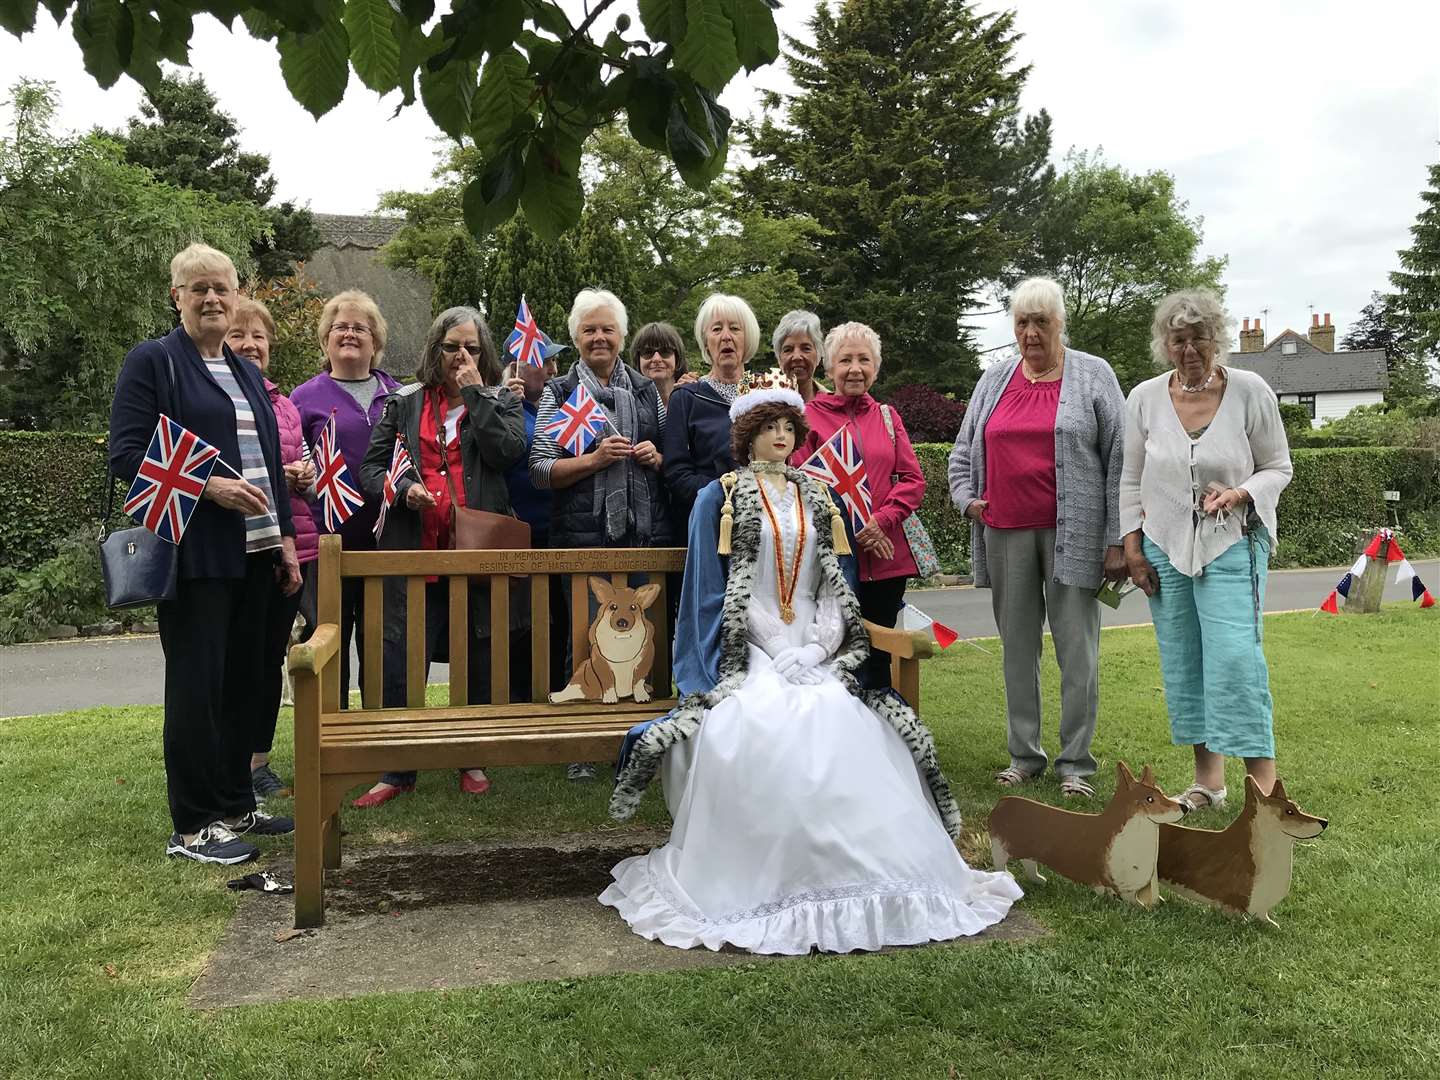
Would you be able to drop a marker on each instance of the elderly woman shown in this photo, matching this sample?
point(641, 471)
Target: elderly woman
point(697, 424)
point(236, 559)
point(251, 333)
point(799, 348)
point(660, 355)
point(1205, 462)
point(1036, 467)
point(352, 334)
point(462, 432)
point(897, 486)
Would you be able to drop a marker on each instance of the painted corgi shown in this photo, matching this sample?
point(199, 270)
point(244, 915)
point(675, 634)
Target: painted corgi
point(1112, 851)
point(1245, 867)
point(622, 647)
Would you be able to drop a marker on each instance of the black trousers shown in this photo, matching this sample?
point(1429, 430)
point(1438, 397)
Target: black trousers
point(880, 602)
point(279, 620)
point(213, 634)
point(352, 627)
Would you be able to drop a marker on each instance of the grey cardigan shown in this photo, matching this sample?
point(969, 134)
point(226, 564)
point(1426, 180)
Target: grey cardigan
point(1089, 451)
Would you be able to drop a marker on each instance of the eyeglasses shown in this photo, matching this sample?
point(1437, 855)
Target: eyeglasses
point(450, 348)
point(1179, 347)
point(358, 329)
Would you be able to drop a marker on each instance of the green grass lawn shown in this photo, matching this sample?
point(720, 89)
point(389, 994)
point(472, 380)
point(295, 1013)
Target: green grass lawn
point(101, 937)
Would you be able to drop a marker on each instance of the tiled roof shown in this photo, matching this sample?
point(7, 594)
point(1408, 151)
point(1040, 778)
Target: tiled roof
point(1310, 370)
point(357, 230)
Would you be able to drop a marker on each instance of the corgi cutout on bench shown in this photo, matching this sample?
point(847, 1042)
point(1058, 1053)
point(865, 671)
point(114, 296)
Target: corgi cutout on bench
point(1244, 868)
point(622, 647)
point(1112, 851)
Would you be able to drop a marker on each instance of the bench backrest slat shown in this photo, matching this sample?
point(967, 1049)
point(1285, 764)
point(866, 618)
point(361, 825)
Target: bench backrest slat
point(374, 624)
point(415, 641)
point(539, 637)
point(459, 632)
point(500, 639)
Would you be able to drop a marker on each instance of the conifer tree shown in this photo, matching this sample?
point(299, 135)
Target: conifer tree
point(905, 143)
point(458, 281)
point(603, 260)
point(1415, 304)
point(543, 271)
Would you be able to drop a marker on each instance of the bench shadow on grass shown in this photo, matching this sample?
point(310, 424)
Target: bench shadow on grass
point(458, 915)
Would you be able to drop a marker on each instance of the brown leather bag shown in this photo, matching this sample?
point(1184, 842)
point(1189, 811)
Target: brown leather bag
point(477, 530)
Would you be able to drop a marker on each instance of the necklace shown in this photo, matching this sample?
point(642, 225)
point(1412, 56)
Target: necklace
point(1196, 389)
point(1039, 374)
point(784, 590)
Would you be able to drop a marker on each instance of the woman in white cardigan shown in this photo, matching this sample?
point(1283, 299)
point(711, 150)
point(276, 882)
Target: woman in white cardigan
point(1205, 462)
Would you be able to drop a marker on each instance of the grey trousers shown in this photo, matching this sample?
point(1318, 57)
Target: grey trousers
point(1023, 595)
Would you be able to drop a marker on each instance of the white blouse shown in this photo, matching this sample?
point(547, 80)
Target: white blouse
point(818, 617)
point(1166, 472)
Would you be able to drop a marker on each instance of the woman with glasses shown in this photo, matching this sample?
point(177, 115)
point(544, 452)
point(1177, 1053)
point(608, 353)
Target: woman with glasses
point(352, 336)
point(462, 432)
point(659, 353)
point(1036, 467)
point(1205, 462)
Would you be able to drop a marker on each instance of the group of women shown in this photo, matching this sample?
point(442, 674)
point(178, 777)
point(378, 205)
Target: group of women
point(1067, 486)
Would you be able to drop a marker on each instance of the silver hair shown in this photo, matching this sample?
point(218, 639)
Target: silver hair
point(1190, 308)
point(723, 304)
point(588, 301)
point(799, 322)
point(844, 332)
point(1040, 296)
point(431, 369)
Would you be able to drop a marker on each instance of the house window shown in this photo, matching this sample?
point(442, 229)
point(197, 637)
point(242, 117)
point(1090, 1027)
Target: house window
point(1308, 402)
point(1288, 348)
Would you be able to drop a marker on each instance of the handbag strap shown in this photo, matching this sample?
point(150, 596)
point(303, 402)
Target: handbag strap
point(108, 501)
point(445, 461)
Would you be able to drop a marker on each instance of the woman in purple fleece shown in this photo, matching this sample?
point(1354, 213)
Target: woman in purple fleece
point(352, 386)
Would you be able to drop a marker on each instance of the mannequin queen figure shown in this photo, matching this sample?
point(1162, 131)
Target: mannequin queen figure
point(807, 814)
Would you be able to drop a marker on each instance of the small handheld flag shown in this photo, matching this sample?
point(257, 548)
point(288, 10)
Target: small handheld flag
point(528, 343)
point(578, 420)
point(1330, 604)
point(399, 466)
point(172, 477)
point(838, 464)
point(339, 497)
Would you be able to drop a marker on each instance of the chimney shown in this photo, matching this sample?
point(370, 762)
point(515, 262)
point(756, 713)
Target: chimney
point(1252, 339)
point(1322, 337)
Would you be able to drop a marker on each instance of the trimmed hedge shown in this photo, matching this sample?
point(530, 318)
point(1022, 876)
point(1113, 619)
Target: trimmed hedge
point(50, 486)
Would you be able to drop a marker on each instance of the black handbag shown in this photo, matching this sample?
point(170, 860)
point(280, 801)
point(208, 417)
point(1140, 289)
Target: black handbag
point(139, 567)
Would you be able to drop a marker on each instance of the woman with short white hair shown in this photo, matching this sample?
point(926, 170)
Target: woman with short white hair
point(799, 345)
point(609, 494)
point(1036, 467)
point(697, 425)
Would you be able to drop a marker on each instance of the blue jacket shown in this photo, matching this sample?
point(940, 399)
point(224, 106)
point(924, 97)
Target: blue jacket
point(214, 541)
point(696, 446)
point(531, 504)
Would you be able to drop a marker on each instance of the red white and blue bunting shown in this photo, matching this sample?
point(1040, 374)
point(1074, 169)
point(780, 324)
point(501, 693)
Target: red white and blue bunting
point(1385, 548)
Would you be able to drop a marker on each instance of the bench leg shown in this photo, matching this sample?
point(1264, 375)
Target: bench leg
point(332, 842)
point(309, 858)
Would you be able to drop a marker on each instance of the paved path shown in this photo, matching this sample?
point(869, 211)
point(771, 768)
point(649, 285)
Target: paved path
point(55, 676)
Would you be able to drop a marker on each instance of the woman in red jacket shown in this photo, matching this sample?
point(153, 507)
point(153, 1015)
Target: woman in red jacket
point(251, 334)
point(852, 360)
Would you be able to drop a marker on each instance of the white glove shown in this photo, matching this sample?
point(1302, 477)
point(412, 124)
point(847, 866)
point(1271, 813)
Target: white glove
point(798, 663)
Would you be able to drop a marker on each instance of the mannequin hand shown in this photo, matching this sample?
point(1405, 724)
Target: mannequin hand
point(794, 663)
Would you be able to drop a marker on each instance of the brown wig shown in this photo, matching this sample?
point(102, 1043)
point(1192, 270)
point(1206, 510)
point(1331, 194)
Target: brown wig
point(748, 425)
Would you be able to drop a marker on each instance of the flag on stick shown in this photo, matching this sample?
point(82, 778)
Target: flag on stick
point(172, 477)
point(1330, 604)
point(838, 465)
point(577, 422)
point(399, 466)
point(339, 496)
point(528, 343)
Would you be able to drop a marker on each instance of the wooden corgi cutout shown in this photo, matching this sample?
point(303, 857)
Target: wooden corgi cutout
point(1244, 868)
point(1112, 851)
point(622, 647)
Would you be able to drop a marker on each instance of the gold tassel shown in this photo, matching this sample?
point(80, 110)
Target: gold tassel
point(837, 528)
point(727, 514)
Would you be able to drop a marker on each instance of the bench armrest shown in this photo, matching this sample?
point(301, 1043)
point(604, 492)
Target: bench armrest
point(906, 644)
point(314, 654)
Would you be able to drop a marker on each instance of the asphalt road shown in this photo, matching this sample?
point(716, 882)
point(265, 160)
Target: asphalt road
point(56, 676)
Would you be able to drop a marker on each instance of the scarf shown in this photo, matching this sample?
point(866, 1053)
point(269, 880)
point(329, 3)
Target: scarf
point(621, 491)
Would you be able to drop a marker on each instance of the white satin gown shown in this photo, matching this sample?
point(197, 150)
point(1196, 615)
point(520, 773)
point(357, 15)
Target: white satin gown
point(800, 819)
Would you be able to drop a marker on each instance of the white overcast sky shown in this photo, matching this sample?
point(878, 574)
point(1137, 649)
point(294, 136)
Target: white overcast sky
point(1301, 130)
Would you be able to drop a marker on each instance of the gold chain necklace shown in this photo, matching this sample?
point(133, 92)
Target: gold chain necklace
point(783, 590)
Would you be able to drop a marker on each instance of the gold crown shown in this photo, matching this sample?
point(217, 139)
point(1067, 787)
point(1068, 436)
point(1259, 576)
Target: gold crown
point(774, 379)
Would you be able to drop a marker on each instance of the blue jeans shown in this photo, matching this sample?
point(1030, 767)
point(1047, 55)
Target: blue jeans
point(1217, 686)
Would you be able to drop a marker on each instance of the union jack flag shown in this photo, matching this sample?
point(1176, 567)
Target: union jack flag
point(399, 466)
point(528, 343)
point(838, 465)
point(172, 476)
point(578, 420)
point(339, 497)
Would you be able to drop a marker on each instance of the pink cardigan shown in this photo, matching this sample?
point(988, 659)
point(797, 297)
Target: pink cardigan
point(292, 447)
point(892, 501)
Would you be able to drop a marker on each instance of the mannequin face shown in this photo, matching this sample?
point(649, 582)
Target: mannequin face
point(775, 442)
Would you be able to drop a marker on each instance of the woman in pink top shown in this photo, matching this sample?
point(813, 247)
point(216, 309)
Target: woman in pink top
point(852, 359)
point(1036, 466)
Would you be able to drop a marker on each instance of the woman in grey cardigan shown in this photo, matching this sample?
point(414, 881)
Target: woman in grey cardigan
point(1036, 467)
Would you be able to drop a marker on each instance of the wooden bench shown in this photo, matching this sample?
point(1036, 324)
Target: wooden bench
point(335, 749)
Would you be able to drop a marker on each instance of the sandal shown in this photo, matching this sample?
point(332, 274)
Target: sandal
point(1013, 777)
point(1075, 787)
point(1199, 797)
